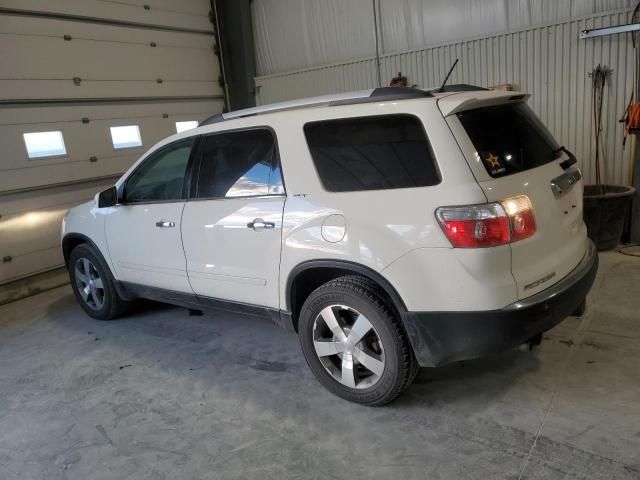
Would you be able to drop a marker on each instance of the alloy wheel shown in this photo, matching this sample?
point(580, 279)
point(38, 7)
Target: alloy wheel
point(89, 283)
point(348, 346)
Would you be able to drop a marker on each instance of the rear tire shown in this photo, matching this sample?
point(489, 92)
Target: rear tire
point(354, 342)
point(94, 285)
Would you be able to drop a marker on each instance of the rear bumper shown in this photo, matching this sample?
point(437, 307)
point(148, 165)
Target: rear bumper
point(443, 337)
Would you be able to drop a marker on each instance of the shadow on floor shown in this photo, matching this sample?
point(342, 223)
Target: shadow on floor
point(247, 342)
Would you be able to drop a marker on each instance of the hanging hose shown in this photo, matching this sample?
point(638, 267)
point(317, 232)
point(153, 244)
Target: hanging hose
point(599, 80)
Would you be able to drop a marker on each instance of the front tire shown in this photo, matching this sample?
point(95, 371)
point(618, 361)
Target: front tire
point(94, 285)
point(354, 342)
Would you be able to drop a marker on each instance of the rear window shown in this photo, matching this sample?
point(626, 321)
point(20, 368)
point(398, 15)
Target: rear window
point(509, 138)
point(371, 153)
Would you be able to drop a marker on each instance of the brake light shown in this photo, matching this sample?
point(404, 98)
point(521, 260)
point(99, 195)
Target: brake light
point(489, 224)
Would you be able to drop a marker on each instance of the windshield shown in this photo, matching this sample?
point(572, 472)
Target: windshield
point(509, 138)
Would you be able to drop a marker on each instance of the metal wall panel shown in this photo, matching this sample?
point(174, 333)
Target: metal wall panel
point(293, 34)
point(550, 62)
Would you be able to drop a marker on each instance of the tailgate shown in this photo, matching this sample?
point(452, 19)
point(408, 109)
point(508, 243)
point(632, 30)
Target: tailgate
point(560, 240)
point(511, 153)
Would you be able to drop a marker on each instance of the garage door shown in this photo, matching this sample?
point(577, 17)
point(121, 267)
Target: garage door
point(86, 86)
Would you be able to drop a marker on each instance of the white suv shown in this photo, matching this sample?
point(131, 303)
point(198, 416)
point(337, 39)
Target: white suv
point(391, 229)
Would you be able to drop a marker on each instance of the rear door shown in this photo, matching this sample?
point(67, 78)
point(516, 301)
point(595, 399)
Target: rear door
point(232, 230)
point(512, 153)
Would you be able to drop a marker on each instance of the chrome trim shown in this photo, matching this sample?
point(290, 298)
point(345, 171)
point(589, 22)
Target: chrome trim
point(562, 184)
point(576, 274)
point(165, 224)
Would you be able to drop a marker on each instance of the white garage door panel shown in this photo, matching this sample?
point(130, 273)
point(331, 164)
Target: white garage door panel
point(53, 198)
point(81, 142)
point(110, 50)
point(46, 89)
point(30, 177)
point(194, 7)
point(49, 58)
point(30, 264)
point(33, 231)
point(119, 11)
point(95, 32)
point(30, 226)
point(198, 109)
point(84, 140)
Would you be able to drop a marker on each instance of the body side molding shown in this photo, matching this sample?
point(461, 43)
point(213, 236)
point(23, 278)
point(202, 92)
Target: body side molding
point(199, 302)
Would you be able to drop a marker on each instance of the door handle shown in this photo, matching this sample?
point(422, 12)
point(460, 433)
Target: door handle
point(260, 224)
point(165, 224)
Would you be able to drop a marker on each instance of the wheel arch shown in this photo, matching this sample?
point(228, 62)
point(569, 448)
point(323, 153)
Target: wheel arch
point(71, 241)
point(305, 277)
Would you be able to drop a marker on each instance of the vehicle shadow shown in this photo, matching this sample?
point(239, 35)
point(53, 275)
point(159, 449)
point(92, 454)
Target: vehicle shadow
point(206, 346)
point(483, 378)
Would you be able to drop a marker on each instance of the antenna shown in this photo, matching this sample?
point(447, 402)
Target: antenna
point(446, 79)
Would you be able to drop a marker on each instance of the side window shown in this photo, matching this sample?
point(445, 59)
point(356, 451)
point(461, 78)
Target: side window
point(239, 164)
point(161, 176)
point(371, 153)
point(276, 186)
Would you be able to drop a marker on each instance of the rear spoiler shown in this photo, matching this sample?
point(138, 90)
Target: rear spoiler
point(452, 104)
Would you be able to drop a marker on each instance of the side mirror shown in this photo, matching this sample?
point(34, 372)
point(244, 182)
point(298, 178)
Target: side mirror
point(108, 198)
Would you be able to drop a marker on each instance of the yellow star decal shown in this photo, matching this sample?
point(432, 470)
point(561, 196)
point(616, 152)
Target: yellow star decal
point(493, 160)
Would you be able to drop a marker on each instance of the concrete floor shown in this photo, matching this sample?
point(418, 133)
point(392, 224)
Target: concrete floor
point(161, 394)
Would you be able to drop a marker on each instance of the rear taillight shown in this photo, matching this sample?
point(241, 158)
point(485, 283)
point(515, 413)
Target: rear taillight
point(472, 226)
point(489, 224)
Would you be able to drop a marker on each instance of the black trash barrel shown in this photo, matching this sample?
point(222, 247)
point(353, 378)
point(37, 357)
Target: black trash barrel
point(605, 211)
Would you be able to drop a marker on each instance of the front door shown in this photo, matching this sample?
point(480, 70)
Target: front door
point(232, 230)
point(143, 232)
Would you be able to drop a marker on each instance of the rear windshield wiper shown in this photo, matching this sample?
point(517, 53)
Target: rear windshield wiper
point(572, 160)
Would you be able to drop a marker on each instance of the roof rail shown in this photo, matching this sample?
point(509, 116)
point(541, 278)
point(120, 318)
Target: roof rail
point(386, 94)
point(348, 98)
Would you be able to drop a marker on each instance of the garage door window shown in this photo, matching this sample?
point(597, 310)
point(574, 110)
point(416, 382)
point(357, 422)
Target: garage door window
point(188, 125)
point(161, 176)
point(240, 164)
point(126, 136)
point(44, 144)
point(371, 153)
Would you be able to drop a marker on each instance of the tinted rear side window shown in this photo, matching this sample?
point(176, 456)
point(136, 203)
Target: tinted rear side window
point(371, 153)
point(240, 164)
point(509, 138)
